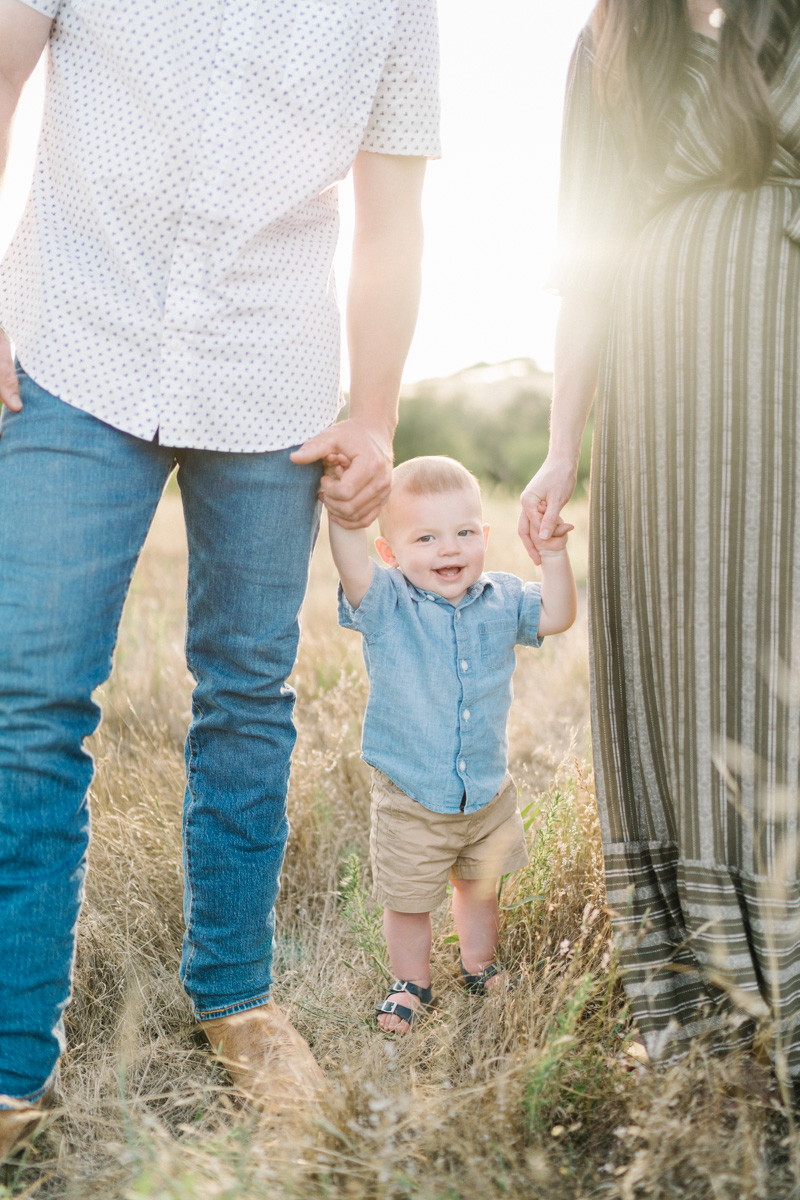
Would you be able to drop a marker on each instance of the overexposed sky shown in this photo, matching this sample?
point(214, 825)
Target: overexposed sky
point(489, 203)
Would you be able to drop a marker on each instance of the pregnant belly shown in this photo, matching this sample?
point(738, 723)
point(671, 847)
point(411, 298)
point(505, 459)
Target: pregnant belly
point(702, 372)
point(714, 252)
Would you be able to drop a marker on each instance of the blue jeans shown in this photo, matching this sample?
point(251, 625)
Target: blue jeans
point(76, 501)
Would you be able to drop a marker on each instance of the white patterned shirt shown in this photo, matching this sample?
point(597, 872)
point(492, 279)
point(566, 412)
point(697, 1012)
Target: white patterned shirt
point(172, 272)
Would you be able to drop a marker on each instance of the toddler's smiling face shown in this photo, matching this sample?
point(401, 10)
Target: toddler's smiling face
point(437, 540)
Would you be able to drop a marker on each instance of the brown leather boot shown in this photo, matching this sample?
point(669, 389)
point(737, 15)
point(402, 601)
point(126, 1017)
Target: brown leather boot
point(17, 1124)
point(267, 1059)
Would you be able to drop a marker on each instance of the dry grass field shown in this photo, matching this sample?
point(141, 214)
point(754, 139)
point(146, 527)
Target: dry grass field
point(524, 1095)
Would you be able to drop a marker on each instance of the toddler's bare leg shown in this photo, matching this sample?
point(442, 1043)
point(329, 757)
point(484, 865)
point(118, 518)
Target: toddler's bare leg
point(408, 939)
point(477, 919)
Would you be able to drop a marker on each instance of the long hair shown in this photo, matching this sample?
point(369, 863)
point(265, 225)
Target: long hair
point(641, 48)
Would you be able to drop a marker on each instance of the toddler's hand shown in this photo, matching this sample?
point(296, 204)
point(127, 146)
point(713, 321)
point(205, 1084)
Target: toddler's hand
point(555, 543)
point(335, 465)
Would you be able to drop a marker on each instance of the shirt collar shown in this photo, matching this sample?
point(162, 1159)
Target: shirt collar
point(482, 583)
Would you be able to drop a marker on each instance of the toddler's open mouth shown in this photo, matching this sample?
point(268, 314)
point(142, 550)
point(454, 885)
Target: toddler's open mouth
point(448, 572)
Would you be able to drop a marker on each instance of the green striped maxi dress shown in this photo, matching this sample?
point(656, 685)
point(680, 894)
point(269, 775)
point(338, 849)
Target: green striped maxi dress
point(695, 561)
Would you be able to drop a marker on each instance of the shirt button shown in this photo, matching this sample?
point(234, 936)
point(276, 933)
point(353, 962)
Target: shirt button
point(458, 616)
point(464, 665)
point(462, 766)
point(467, 714)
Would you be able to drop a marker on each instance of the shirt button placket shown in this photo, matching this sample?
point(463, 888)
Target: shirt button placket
point(205, 198)
point(464, 664)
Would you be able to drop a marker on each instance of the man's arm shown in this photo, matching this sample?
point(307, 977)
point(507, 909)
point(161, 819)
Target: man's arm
point(382, 305)
point(350, 552)
point(23, 36)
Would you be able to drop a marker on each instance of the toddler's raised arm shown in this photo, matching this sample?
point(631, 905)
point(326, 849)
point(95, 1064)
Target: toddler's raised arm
point(559, 594)
point(350, 550)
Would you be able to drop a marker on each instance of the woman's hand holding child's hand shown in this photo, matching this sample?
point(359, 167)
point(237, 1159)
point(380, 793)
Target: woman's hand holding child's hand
point(557, 540)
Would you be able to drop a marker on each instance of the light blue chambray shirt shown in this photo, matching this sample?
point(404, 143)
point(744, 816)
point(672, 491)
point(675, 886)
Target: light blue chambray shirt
point(440, 683)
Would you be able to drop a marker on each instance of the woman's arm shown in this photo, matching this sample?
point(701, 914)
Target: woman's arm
point(580, 335)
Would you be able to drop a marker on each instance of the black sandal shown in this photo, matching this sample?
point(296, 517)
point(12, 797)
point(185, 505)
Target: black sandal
point(476, 984)
point(424, 995)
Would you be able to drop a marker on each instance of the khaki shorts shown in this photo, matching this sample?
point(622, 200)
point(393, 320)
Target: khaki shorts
point(415, 852)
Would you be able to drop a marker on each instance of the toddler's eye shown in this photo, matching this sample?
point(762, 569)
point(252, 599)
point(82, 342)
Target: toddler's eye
point(464, 532)
point(426, 537)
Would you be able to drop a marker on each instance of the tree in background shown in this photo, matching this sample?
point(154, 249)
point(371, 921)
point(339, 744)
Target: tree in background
point(494, 419)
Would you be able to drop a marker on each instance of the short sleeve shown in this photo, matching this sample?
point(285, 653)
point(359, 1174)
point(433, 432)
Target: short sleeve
point(48, 8)
point(530, 609)
point(598, 208)
point(372, 614)
point(405, 112)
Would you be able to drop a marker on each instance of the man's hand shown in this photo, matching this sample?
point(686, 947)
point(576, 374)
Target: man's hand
point(358, 471)
point(9, 385)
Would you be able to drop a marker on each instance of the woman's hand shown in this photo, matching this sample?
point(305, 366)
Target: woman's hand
point(542, 501)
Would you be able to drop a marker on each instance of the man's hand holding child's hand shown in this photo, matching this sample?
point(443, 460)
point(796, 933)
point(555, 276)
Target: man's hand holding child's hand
point(357, 470)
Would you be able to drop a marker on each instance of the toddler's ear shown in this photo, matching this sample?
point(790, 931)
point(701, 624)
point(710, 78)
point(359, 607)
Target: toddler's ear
point(385, 551)
point(486, 529)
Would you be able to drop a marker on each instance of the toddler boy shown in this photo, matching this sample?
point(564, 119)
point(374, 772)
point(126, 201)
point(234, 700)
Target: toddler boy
point(438, 640)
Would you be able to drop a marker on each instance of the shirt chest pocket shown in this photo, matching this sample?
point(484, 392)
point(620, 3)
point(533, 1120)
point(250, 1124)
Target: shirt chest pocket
point(497, 637)
point(320, 59)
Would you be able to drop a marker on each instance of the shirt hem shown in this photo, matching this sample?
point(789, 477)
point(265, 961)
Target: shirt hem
point(445, 812)
point(146, 431)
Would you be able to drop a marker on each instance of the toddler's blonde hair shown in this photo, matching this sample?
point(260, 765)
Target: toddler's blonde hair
point(428, 475)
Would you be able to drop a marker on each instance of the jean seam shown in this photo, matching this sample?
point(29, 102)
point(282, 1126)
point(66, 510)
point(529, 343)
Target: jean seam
point(189, 888)
point(190, 768)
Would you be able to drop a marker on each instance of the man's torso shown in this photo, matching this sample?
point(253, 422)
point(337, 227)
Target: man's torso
point(173, 269)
